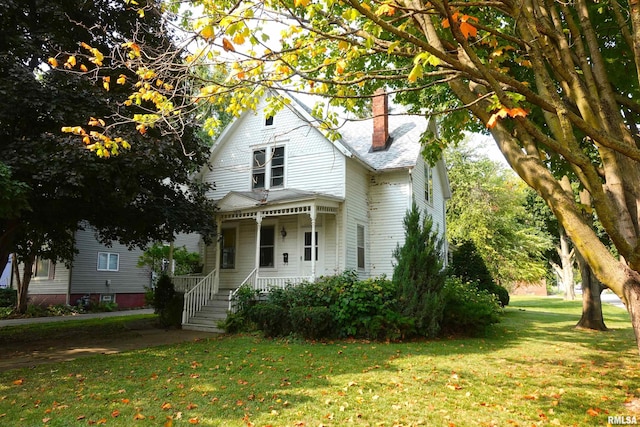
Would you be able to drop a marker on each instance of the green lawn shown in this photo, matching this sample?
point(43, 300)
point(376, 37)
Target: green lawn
point(534, 369)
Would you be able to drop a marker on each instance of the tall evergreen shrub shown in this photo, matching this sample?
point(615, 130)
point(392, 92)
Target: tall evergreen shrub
point(419, 273)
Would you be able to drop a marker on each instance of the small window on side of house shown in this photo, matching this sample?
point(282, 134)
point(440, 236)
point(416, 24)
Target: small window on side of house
point(108, 261)
point(277, 167)
point(428, 184)
point(268, 121)
point(360, 247)
point(307, 246)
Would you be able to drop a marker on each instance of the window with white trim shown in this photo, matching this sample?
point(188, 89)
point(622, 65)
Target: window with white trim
point(428, 183)
point(307, 246)
point(267, 169)
point(360, 246)
point(228, 245)
point(267, 246)
point(43, 269)
point(108, 261)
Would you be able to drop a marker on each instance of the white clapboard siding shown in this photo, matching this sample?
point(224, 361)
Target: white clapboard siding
point(356, 212)
point(312, 163)
point(389, 199)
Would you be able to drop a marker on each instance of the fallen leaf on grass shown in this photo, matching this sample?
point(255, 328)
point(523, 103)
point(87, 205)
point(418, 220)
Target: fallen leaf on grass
point(593, 412)
point(139, 416)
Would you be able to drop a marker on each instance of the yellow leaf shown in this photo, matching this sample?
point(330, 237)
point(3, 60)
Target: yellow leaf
point(301, 3)
point(238, 39)
point(121, 79)
point(53, 62)
point(141, 13)
point(207, 32)
point(340, 66)
point(71, 62)
point(137, 416)
point(165, 405)
point(169, 422)
point(416, 73)
point(386, 9)
point(105, 83)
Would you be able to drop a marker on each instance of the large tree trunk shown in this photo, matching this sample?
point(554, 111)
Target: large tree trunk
point(23, 283)
point(591, 303)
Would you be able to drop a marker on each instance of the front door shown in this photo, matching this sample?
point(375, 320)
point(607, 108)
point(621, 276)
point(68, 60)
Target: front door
point(308, 251)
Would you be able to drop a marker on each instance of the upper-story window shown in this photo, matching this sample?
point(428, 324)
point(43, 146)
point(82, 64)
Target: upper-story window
point(268, 168)
point(268, 121)
point(428, 184)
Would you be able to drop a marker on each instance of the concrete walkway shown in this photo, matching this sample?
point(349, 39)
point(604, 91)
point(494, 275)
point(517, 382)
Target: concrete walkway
point(51, 319)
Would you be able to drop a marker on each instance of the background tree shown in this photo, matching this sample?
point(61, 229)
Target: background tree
point(487, 208)
point(547, 80)
point(145, 196)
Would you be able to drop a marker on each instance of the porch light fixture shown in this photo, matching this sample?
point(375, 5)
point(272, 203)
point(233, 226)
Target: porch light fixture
point(283, 233)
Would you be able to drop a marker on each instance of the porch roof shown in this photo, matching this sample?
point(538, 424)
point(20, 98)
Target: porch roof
point(248, 204)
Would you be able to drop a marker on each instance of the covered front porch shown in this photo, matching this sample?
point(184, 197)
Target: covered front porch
point(266, 240)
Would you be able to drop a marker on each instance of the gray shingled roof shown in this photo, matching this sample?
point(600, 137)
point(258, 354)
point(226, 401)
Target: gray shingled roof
point(405, 131)
point(404, 150)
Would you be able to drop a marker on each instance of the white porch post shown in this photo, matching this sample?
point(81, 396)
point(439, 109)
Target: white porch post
point(216, 280)
point(258, 231)
point(312, 214)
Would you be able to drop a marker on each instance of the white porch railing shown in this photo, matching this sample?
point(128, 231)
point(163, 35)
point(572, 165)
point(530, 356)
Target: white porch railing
point(263, 284)
point(197, 297)
point(249, 280)
point(187, 282)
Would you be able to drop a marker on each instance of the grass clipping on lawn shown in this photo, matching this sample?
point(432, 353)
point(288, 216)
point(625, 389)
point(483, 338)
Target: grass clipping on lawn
point(534, 368)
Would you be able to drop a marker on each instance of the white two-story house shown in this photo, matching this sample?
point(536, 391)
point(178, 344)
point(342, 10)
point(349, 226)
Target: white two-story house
point(294, 205)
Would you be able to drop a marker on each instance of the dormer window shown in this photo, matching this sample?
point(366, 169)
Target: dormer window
point(268, 121)
point(268, 168)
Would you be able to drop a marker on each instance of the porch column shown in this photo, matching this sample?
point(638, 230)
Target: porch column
point(312, 214)
point(258, 231)
point(216, 279)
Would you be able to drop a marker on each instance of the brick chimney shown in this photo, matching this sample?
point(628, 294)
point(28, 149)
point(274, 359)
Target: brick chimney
point(380, 140)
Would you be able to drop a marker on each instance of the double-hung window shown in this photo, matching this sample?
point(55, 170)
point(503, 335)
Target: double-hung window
point(360, 247)
point(267, 246)
point(307, 246)
point(268, 168)
point(228, 244)
point(428, 184)
point(43, 269)
point(108, 261)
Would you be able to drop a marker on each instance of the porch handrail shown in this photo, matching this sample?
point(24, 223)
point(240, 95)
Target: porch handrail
point(197, 297)
point(186, 282)
point(250, 278)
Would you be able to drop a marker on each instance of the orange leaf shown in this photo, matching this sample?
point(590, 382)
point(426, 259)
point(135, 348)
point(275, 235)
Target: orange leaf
point(468, 30)
point(593, 412)
point(194, 421)
point(227, 45)
point(192, 406)
point(165, 406)
point(139, 416)
point(169, 422)
point(493, 121)
point(53, 62)
point(517, 112)
point(115, 413)
point(83, 68)
point(445, 23)
point(18, 382)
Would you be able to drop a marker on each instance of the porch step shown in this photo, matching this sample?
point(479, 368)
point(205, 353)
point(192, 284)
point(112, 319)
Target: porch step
point(209, 316)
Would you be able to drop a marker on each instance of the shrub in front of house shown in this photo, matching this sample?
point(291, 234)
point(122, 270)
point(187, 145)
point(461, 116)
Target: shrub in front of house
point(468, 310)
point(167, 303)
point(8, 297)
